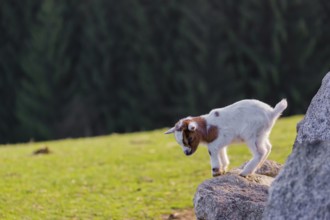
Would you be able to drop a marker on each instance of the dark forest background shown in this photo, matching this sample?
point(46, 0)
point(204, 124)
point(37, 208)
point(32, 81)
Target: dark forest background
point(71, 68)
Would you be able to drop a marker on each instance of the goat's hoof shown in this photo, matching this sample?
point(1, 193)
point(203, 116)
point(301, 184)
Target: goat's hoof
point(243, 175)
point(217, 172)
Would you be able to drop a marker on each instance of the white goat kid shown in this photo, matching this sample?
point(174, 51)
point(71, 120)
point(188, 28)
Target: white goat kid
point(248, 121)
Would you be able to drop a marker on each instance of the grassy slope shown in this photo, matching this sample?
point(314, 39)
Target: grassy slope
point(131, 176)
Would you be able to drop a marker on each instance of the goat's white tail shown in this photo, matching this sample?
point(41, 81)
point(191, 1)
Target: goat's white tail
point(279, 108)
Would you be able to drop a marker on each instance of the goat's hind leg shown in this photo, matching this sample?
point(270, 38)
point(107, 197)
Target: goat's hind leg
point(268, 147)
point(259, 152)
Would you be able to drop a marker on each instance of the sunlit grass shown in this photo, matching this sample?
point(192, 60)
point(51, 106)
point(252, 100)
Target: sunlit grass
point(132, 176)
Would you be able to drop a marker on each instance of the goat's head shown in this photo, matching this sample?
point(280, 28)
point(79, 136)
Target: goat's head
point(188, 134)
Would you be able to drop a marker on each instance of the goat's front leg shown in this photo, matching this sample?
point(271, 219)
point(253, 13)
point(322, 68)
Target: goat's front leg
point(219, 160)
point(224, 161)
point(215, 162)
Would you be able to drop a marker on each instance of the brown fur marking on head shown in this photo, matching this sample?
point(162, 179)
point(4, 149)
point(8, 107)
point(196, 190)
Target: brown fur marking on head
point(206, 134)
point(201, 134)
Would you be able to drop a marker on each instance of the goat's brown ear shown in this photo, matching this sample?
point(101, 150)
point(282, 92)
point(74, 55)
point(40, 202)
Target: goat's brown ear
point(170, 131)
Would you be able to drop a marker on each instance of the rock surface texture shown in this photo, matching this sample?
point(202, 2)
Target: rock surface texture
point(302, 189)
point(233, 197)
point(316, 124)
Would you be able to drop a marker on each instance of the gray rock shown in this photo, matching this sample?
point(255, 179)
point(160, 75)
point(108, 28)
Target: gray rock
point(316, 123)
point(231, 196)
point(302, 189)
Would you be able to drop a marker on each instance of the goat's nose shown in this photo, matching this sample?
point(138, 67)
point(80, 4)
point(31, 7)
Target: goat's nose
point(187, 152)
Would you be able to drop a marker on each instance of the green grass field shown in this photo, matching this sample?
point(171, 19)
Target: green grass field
point(131, 176)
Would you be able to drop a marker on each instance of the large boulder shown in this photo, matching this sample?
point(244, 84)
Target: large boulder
point(316, 124)
point(231, 196)
point(302, 189)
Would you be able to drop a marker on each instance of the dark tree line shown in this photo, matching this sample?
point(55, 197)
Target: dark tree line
point(81, 68)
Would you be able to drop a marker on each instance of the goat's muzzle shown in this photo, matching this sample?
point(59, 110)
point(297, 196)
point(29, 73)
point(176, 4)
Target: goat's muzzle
point(188, 152)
